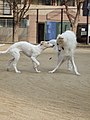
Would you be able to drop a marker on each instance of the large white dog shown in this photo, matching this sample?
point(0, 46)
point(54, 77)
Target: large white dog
point(29, 50)
point(66, 44)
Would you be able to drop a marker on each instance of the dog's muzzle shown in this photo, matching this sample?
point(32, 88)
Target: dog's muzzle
point(53, 45)
point(59, 50)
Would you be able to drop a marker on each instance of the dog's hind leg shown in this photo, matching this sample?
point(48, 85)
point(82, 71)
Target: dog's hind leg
point(15, 53)
point(74, 66)
point(10, 63)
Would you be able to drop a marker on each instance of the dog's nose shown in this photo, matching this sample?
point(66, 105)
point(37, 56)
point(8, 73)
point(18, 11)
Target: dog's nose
point(59, 50)
point(53, 45)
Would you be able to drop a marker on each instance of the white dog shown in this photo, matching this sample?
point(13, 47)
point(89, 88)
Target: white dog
point(29, 50)
point(66, 44)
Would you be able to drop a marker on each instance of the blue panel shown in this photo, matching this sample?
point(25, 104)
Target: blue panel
point(50, 30)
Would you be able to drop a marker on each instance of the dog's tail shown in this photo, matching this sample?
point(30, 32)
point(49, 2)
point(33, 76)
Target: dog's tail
point(2, 45)
point(3, 52)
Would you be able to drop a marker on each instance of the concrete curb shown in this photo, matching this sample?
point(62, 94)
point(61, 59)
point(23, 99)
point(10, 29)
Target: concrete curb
point(79, 45)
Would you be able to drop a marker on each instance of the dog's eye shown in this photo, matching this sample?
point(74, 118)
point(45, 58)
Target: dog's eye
point(57, 44)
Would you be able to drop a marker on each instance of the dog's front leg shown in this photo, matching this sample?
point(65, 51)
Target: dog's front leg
point(35, 64)
point(35, 67)
point(60, 61)
point(69, 65)
point(74, 66)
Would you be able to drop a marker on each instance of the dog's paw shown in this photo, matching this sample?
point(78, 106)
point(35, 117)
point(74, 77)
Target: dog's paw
point(38, 71)
point(78, 74)
point(18, 71)
point(51, 71)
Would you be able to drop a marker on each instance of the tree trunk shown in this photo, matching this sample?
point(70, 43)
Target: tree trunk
point(16, 33)
point(74, 27)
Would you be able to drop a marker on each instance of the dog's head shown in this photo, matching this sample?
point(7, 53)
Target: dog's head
point(60, 42)
point(46, 44)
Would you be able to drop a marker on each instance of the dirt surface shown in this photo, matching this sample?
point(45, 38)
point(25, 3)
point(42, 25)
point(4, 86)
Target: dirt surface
point(44, 96)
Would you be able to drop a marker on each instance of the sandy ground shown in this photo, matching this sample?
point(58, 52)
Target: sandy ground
point(44, 96)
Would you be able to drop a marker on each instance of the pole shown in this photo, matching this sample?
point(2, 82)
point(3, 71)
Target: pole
point(87, 41)
point(37, 27)
point(13, 30)
point(13, 19)
point(61, 21)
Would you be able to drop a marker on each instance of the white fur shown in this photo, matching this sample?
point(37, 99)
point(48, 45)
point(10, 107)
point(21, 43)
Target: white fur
point(29, 50)
point(2, 44)
point(66, 50)
point(53, 41)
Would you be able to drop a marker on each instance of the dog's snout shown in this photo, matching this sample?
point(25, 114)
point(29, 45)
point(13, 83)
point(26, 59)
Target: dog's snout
point(59, 50)
point(53, 45)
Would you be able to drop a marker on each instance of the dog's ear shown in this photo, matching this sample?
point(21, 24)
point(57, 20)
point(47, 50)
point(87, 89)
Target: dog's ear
point(59, 36)
point(41, 43)
point(63, 48)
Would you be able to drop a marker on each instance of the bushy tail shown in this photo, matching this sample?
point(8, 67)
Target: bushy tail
point(2, 44)
point(2, 52)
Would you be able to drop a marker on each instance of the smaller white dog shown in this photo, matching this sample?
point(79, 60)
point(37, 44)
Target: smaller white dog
point(66, 44)
point(29, 50)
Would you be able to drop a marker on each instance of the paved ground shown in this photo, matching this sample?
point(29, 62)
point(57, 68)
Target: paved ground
point(44, 96)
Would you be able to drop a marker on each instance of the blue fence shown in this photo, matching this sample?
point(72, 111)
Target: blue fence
point(50, 30)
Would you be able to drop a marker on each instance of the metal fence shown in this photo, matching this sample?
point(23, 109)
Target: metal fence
point(6, 30)
point(48, 16)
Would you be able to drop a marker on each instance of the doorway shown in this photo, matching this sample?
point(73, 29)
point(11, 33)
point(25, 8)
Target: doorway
point(41, 27)
point(82, 33)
